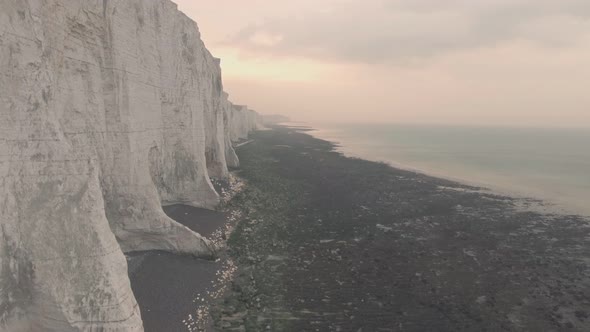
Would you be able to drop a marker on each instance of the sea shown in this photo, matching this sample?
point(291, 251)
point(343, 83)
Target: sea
point(549, 164)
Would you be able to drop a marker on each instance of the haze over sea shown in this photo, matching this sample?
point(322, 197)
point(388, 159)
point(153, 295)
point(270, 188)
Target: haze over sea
point(552, 164)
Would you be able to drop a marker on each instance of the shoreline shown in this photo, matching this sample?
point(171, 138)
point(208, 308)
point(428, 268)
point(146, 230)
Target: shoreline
point(532, 199)
point(335, 243)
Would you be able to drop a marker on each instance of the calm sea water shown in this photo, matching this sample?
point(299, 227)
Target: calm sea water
point(549, 164)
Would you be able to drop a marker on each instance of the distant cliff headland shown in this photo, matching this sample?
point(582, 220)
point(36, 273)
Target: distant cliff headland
point(108, 110)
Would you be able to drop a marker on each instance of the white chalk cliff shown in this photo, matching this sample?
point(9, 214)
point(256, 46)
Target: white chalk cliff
point(108, 110)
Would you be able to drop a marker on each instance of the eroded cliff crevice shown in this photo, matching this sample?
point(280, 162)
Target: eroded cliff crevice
point(108, 110)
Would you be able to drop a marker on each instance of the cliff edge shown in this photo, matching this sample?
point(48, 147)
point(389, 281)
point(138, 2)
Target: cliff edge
point(108, 110)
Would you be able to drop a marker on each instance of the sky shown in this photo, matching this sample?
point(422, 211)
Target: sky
point(483, 62)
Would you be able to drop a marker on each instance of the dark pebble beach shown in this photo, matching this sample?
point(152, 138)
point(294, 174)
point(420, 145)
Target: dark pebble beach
point(331, 243)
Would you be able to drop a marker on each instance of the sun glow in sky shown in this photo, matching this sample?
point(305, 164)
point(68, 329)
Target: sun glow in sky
point(504, 62)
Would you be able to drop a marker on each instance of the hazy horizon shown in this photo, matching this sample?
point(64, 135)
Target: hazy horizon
point(493, 63)
point(449, 124)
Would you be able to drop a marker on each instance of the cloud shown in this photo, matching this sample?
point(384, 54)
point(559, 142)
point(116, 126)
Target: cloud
point(383, 31)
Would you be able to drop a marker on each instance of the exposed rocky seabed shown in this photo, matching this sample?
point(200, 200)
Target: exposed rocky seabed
point(331, 243)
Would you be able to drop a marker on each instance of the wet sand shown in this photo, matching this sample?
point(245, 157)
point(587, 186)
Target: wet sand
point(330, 243)
point(169, 288)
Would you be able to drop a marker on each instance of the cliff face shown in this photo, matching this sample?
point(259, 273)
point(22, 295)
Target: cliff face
point(108, 110)
point(230, 154)
point(241, 121)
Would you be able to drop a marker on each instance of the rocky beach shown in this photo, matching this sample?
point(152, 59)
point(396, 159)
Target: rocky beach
point(330, 243)
point(136, 196)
